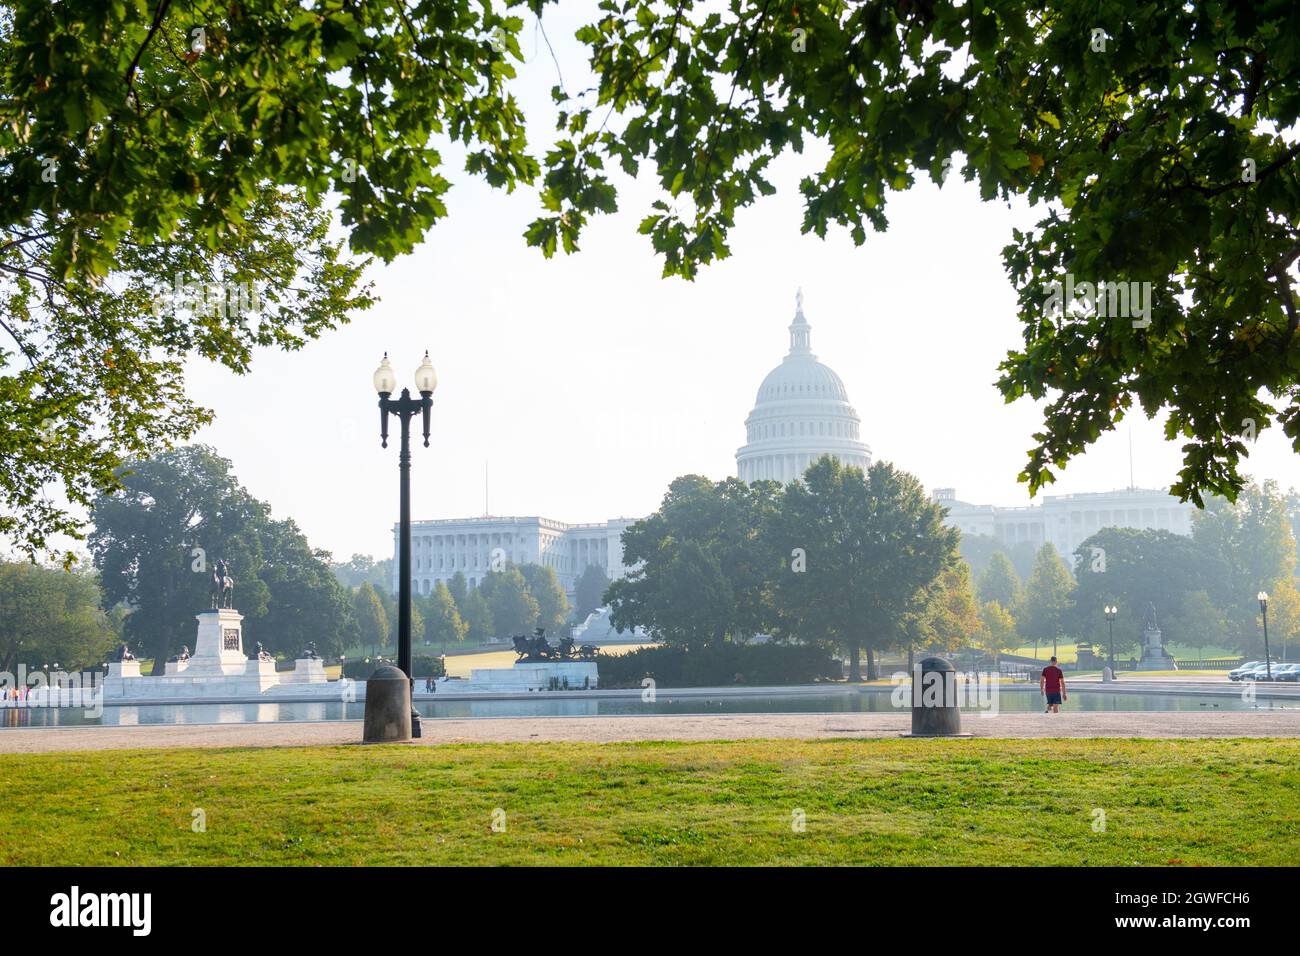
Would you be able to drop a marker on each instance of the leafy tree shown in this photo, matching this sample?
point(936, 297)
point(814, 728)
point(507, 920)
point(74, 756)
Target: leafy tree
point(977, 550)
point(1046, 602)
point(477, 615)
point(952, 613)
point(459, 588)
point(1293, 510)
point(361, 568)
point(442, 621)
point(168, 127)
point(1141, 131)
point(93, 367)
point(685, 600)
point(1195, 622)
point(1283, 620)
point(1140, 142)
point(1250, 547)
point(514, 609)
point(50, 616)
point(874, 546)
point(156, 541)
point(999, 582)
point(589, 591)
point(544, 586)
point(997, 630)
point(417, 624)
point(305, 603)
point(720, 521)
point(1133, 570)
point(371, 619)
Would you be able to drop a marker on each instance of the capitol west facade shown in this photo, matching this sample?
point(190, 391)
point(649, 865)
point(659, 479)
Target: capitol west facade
point(801, 412)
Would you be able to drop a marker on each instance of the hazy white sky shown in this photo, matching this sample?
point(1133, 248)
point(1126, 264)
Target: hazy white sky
point(588, 382)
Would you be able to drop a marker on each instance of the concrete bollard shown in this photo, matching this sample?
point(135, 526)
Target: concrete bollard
point(935, 706)
point(388, 707)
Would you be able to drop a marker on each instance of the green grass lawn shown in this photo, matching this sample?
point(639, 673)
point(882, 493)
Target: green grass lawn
point(964, 802)
point(1069, 653)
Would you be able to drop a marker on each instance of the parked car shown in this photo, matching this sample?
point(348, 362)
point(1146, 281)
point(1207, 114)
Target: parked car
point(1286, 672)
point(1239, 673)
point(1263, 672)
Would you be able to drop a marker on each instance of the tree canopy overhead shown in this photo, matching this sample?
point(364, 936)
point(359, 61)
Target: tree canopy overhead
point(159, 112)
point(1158, 141)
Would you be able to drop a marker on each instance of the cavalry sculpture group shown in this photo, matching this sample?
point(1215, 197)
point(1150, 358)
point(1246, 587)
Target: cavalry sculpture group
point(538, 648)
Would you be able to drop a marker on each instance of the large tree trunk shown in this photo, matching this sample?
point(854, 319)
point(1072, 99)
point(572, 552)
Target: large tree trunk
point(872, 673)
point(855, 663)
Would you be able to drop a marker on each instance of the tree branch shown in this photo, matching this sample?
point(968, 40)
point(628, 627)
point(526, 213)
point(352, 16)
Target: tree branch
point(158, 17)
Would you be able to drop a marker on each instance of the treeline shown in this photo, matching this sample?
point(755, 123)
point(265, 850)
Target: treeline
point(156, 540)
point(862, 562)
point(153, 547)
point(513, 600)
point(1201, 589)
point(49, 616)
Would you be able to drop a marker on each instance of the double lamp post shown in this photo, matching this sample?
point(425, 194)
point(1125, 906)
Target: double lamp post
point(405, 408)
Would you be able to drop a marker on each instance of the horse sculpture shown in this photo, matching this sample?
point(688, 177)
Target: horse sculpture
point(535, 648)
point(222, 591)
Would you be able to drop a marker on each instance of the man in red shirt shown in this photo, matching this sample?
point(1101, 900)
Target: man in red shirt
point(1051, 684)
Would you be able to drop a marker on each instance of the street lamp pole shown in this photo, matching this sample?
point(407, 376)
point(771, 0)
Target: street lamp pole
point(1263, 609)
point(1111, 612)
point(405, 408)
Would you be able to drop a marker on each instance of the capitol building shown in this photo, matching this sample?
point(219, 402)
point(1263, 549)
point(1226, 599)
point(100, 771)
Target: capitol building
point(801, 412)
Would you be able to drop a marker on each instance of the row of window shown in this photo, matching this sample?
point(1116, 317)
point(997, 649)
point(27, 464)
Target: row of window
point(820, 389)
point(1131, 518)
point(787, 467)
point(831, 429)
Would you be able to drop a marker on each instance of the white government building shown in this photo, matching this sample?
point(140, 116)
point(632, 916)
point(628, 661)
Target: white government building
point(802, 412)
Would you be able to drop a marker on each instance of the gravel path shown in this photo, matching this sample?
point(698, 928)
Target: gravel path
point(1261, 723)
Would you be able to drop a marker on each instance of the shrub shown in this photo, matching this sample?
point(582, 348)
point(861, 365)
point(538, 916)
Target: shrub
point(718, 665)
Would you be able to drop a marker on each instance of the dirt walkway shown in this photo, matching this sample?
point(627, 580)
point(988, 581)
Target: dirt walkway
point(1261, 723)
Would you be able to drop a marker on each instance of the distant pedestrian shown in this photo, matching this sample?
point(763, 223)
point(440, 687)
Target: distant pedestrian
point(1051, 684)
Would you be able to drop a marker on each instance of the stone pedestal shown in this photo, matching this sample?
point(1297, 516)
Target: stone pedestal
point(526, 677)
point(1154, 655)
point(219, 649)
point(306, 670)
point(120, 669)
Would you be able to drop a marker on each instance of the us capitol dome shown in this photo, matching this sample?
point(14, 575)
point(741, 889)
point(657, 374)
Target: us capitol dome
point(802, 412)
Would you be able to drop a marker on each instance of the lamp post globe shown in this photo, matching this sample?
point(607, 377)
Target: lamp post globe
point(426, 379)
point(385, 378)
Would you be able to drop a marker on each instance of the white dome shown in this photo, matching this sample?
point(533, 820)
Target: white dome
point(802, 412)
